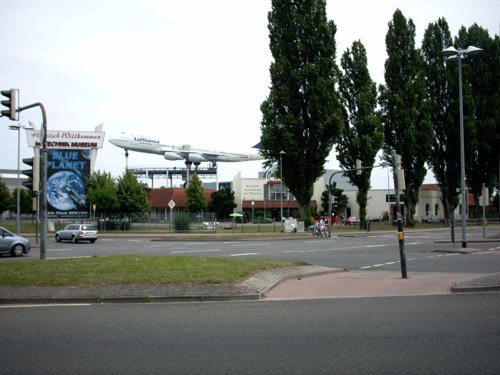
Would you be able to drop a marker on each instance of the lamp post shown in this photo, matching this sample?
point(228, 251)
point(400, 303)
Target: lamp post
point(453, 54)
point(253, 205)
point(281, 187)
point(18, 127)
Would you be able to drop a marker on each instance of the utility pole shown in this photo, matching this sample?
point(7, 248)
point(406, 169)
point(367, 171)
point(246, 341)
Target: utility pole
point(399, 179)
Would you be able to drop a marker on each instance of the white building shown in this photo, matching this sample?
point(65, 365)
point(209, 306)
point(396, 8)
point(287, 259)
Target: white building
point(266, 197)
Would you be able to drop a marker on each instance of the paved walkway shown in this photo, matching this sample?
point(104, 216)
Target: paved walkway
point(288, 283)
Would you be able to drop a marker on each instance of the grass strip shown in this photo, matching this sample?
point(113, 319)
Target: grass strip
point(134, 270)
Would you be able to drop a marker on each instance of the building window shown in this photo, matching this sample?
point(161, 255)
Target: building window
point(436, 209)
point(275, 193)
point(427, 209)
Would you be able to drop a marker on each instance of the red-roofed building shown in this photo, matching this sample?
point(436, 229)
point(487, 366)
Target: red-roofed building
point(160, 198)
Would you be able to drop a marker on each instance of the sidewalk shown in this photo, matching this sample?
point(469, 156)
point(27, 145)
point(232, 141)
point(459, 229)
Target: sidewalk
point(305, 282)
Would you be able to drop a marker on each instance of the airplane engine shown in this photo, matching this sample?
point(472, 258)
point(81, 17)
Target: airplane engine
point(172, 156)
point(195, 158)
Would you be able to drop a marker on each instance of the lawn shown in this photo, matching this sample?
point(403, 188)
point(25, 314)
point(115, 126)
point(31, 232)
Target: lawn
point(133, 270)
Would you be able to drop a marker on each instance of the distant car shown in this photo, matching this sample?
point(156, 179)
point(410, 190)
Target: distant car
point(13, 244)
point(77, 232)
point(352, 220)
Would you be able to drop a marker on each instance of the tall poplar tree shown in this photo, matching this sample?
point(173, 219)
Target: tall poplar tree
point(301, 115)
point(363, 135)
point(441, 88)
point(481, 85)
point(405, 110)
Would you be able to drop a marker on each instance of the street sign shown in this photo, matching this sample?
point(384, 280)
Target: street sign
point(171, 204)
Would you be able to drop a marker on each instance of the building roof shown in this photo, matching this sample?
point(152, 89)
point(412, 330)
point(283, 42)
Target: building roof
point(430, 187)
point(159, 198)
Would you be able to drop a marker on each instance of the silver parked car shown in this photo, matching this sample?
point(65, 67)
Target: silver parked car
point(77, 232)
point(13, 244)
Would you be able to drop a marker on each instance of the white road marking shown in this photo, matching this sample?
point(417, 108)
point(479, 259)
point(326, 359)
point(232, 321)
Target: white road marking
point(243, 254)
point(45, 305)
point(376, 245)
point(253, 244)
point(195, 251)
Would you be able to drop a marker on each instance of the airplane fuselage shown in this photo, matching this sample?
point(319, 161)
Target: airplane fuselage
point(152, 145)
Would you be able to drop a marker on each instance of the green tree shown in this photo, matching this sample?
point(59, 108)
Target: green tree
point(339, 199)
point(5, 197)
point(195, 195)
point(223, 202)
point(131, 194)
point(363, 136)
point(444, 160)
point(102, 191)
point(480, 77)
point(301, 115)
point(26, 200)
point(405, 110)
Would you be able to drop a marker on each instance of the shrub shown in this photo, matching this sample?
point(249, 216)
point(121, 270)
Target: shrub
point(182, 222)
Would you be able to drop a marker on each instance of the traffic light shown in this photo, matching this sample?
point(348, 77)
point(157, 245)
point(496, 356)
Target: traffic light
point(10, 103)
point(400, 173)
point(359, 167)
point(34, 173)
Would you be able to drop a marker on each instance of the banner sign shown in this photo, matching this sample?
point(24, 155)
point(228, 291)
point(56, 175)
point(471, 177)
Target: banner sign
point(66, 173)
point(63, 139)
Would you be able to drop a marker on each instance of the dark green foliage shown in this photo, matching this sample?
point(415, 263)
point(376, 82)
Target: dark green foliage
point(5, 197)
point(182, 222)
point(102, 191)
point(363, 135)
point(405, 109)
point(223, 203)
point(339, 199)
point(301, 115)
point(195, 196)
point(481, 90)
point(444, 159)
point(132, 195)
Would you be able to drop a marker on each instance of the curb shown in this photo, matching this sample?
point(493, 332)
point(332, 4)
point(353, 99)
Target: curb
point(488, 283)
point(251, 289)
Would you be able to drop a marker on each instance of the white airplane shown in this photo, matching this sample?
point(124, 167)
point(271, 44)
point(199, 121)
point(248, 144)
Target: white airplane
point(150, 145)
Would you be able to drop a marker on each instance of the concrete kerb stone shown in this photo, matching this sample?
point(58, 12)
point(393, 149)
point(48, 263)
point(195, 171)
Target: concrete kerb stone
point(267, 280)
point(486, 283)
point(251, 289)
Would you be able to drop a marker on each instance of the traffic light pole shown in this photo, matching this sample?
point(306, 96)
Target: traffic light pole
point(401, 236)
point(359, 169)
point(43, 179)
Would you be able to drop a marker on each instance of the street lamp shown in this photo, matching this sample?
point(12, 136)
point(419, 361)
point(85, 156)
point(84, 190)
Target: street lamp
point(253, 205)
point(18, 127)
point(281, 187)
point(453, 54)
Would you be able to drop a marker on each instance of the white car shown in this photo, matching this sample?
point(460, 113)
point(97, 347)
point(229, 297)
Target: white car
point(13, 244)
point(77, 232)
point(352, 220)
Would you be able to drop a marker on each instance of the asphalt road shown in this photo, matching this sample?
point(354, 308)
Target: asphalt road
point(446, 334)
point(359, 251)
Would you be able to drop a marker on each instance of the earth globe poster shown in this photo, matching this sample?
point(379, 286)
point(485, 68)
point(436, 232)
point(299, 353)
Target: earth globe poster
point(66, 173)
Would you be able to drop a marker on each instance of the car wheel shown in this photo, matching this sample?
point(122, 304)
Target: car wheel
point(92, 241)
point(58, 238)
point(18, 250)
point(73, 239)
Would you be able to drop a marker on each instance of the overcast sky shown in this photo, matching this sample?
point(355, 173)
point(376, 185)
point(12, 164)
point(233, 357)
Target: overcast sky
point(190, 72)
